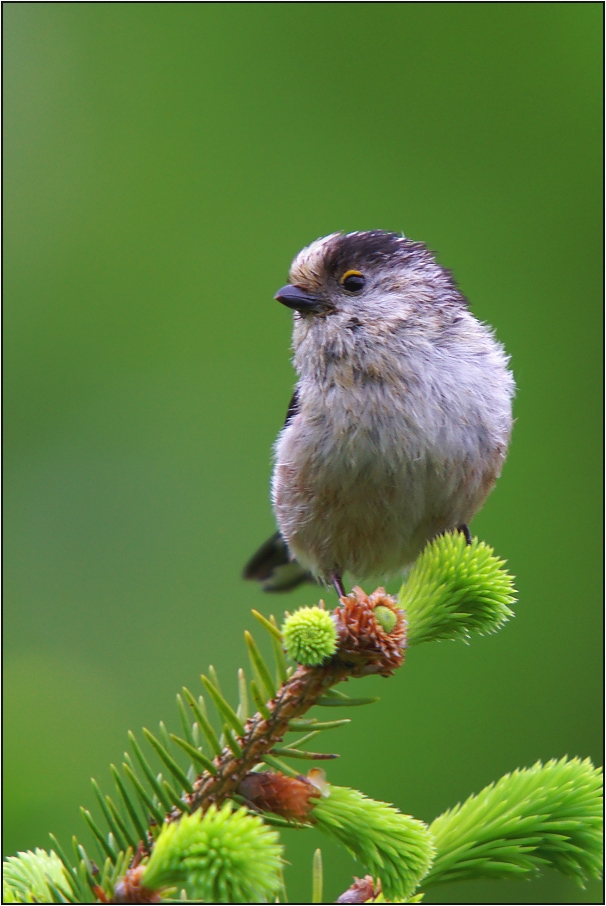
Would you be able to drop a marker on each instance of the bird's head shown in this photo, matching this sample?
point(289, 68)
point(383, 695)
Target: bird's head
point(358, 279)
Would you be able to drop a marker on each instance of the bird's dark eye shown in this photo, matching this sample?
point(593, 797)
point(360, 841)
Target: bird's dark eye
point(353, 281)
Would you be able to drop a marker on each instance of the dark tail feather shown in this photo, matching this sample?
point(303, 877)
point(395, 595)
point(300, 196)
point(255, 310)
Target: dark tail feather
point(273, 568)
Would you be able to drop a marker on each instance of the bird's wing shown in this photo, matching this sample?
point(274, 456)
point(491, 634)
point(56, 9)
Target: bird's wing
point(273, 567)
point(293, 407)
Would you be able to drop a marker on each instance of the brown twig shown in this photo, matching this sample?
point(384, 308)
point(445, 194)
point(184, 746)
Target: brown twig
point(294, 698)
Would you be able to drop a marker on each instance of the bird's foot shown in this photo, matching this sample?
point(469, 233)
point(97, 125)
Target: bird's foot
point(337, 582)
point(464, 530)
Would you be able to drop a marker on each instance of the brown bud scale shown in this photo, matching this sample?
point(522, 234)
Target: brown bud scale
point(364, 645)
point(288, 797)
point(129, 889)
point(361, 891)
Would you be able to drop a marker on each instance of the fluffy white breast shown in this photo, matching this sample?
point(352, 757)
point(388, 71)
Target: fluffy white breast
point(400, 434)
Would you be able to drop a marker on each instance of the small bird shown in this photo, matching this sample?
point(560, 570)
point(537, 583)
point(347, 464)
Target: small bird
point(400, 420)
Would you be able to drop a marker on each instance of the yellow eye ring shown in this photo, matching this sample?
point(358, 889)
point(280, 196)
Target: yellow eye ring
point(353, 281)
point(349, 274)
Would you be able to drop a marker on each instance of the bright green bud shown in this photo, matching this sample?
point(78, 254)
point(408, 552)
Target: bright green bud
point(394, 847)
point(310, 635)
point(455, 589)
point(386, 617)
point(534, 817)
point(26, 877)
point(221, 856)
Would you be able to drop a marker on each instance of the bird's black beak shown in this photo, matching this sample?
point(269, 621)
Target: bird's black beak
point(300, 299)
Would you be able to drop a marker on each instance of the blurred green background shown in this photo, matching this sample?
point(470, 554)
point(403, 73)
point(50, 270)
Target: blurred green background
point(163, 164)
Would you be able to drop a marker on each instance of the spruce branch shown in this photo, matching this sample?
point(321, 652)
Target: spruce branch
point(348, 643)
point(544, 815)
point(207, 829)
point(395, 847)
point(37, 877)
point(219, 856)
point(455, 589)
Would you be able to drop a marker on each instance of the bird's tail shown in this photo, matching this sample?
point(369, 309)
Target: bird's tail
point(273, 567)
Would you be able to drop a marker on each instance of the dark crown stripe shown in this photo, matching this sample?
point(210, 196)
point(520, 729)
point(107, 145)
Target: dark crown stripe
point(365, 249)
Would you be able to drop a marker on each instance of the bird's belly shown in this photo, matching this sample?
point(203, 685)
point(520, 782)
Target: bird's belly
point(367, 511)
